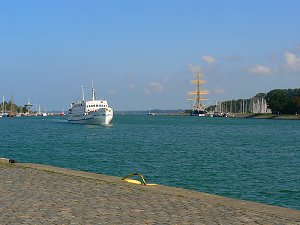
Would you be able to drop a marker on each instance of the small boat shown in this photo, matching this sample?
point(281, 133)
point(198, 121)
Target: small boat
point(151, 113)
point(62, 113)
point(90, 112)
point(3, 109)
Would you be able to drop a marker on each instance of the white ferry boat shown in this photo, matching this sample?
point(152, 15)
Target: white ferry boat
point(90, 111)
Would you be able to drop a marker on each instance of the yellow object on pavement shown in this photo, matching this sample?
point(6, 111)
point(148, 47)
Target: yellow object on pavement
point(133, 181)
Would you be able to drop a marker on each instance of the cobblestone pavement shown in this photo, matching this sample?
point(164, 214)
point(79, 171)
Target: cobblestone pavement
point(56, 196)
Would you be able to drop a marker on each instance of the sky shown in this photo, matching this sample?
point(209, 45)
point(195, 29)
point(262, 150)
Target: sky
point(142, 54)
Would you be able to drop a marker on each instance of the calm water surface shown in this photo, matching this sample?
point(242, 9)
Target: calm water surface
point(252, 159)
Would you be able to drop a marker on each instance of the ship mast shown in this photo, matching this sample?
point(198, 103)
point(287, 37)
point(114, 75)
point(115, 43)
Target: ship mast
point(93, 91)
point(82, 93)
point(198, 93)
point(12, 107)
point(3, 111)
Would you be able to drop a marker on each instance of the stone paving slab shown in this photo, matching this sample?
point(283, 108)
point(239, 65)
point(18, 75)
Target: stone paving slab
point(38, 194)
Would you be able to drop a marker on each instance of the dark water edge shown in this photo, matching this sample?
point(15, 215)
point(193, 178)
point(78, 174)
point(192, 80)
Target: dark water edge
point(255, 160)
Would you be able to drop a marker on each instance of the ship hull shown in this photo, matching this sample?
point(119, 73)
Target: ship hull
point(198, 113)
point(101, 117)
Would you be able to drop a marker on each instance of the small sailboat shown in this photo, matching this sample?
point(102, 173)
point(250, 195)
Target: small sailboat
point(151, 113)
point(3, 111)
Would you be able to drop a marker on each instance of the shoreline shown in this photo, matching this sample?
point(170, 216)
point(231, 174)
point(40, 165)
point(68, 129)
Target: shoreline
point(248, 116)
point(59, 195)
point(266, 116)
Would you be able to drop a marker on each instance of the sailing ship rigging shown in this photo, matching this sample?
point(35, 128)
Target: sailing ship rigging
point(198, 108)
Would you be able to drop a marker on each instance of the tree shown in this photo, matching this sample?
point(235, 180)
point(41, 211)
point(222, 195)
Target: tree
point(284, 100)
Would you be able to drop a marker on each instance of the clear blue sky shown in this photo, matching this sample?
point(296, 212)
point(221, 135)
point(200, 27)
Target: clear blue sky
point(141, 54)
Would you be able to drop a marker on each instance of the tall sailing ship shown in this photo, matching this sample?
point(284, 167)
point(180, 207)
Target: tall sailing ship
point(198, 108)
point(90, 112)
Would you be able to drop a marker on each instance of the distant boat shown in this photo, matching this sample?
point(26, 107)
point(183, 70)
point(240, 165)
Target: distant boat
point(3, 110)
point(198, 108)
point(151, 113)
point(91, 111)
point(4, 113)
point(62, 113)
point(39, 113)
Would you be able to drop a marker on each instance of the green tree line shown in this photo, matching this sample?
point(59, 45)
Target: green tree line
point(284, 101)
point(280, 101)
point(7, 106)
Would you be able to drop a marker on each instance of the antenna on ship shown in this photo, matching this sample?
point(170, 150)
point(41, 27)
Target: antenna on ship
point(198, 108)
point(93, 91)
point(82, 93)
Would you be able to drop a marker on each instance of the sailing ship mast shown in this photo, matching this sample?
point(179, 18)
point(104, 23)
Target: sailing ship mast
point(198, 93)
point(12, 108)
point(3, 108)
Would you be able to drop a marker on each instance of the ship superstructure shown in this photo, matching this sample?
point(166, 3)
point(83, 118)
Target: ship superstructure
point(198, 96)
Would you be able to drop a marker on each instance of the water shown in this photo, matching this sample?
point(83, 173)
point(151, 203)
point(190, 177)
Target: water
point(251, 159)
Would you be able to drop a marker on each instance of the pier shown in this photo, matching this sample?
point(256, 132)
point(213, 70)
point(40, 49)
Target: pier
point(39, 194)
